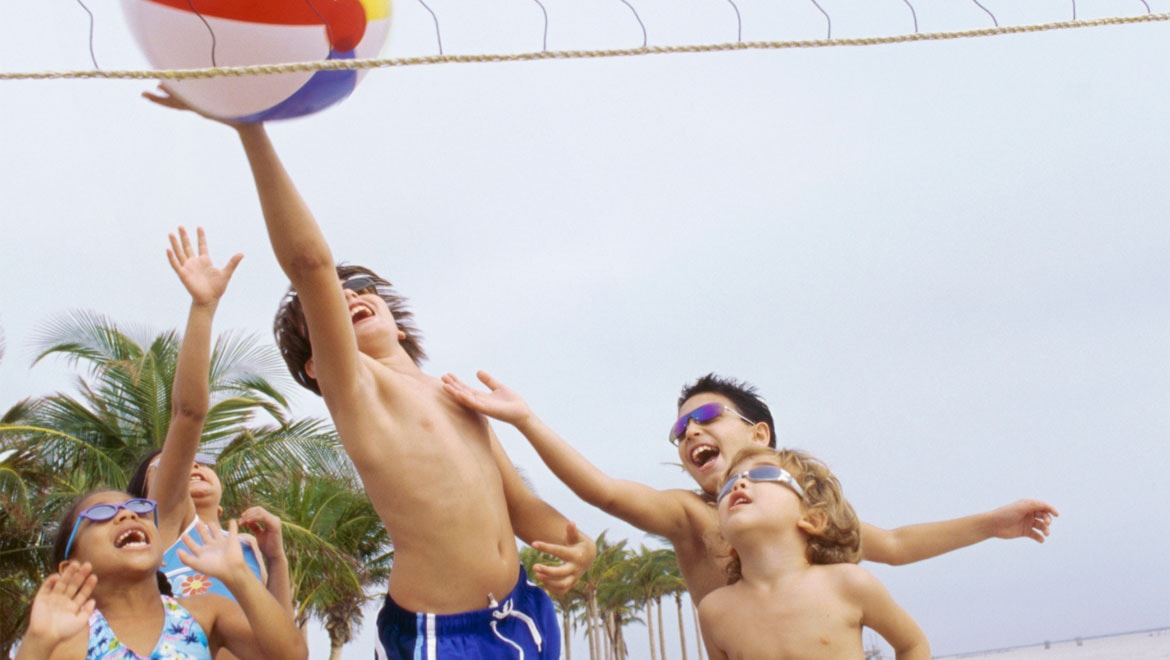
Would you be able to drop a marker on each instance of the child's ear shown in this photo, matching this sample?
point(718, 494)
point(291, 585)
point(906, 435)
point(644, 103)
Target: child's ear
point(813, 523)
point(761, 434)
point(401, 335)
point(310, 370)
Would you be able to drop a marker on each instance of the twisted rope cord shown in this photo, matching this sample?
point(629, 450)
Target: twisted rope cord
point(339, 65)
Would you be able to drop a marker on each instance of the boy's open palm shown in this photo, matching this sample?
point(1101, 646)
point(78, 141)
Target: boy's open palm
point(502, 402)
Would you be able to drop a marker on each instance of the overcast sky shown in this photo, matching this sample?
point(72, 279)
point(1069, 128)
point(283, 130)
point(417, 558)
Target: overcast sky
point(945, 264)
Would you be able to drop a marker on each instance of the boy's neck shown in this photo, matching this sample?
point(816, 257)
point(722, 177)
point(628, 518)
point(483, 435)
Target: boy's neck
point(768, 559)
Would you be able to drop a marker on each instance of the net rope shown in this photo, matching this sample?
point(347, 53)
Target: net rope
point(377, 63)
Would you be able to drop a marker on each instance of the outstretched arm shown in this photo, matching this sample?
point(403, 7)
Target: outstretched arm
point(190, 396)
point(304, 255)
point(1021, 519)
point(648, 509)
point(540, 525)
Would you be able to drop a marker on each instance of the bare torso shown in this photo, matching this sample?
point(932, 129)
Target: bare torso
point(808, 617)
point(428, 468)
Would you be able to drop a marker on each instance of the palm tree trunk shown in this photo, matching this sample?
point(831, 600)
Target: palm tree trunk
point(650, 627)
point(698, 630)
point(596, 650)
point(682, 633)
point(566, 625)
point(334, 652)
point(661, 628)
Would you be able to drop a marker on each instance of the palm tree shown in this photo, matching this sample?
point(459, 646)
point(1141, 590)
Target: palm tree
point(54, 447)
point(618, 601)
point(678, 589)
point(651, 578)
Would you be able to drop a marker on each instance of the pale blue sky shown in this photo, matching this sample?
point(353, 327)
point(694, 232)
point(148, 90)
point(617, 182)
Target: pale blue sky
point(946, 265)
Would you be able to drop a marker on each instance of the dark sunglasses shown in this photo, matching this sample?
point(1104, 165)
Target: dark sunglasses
point(361, 285)
point(702, 415)
point(104, 512)
point(765, 473)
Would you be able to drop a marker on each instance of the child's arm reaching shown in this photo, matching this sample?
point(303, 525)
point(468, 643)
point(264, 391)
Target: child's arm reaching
point(904, 545)
point(540, 525)
point(60, 611)
point(304, 256)
point(190, 396)
point(266, 630)
point(644, 507)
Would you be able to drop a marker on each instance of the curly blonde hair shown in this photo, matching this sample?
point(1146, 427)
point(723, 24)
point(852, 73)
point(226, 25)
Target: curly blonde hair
point(836, 538)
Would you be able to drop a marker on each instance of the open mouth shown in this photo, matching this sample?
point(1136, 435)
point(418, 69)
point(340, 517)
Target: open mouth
point(360, 312)
point(132, 537)
point(701, 455)
point(736, 498)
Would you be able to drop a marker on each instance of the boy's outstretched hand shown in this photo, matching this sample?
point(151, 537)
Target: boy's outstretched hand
point(576, 556)
point(502, 402)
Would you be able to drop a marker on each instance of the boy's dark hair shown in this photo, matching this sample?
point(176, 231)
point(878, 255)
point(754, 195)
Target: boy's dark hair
point(137, 485)
point(292, 332)
point(742, 395)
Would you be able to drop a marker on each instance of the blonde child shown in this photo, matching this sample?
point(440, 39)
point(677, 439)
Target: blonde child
point(796, 591)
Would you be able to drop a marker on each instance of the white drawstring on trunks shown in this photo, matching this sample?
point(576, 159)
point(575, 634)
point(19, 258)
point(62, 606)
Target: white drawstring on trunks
point(508, 611)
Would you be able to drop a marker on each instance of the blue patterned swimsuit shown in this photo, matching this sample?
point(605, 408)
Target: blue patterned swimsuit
point(182, 638)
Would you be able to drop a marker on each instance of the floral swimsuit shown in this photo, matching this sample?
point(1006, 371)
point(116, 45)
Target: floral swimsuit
point(182, 638)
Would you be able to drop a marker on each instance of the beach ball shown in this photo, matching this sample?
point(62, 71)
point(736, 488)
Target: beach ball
point(196, 34)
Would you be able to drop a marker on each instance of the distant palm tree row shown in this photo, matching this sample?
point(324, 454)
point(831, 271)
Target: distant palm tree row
point(623, 586)
point(56, 447)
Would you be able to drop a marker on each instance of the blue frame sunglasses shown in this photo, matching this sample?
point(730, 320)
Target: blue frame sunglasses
point(761, 473)
point(702, 415)
point(103, 512)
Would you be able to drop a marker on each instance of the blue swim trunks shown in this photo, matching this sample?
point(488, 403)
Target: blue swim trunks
point(522, 625)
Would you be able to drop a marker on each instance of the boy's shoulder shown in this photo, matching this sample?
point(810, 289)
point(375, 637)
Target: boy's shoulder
point(845, 578)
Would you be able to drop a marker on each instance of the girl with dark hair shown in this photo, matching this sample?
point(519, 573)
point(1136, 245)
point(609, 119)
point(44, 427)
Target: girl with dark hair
point(183, 482)
point(104, 602)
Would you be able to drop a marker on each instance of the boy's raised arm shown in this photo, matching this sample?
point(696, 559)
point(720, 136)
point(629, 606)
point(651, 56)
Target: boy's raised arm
point(655, 511)
point(1025, 518)
point(306, 259)
point(301, 250)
